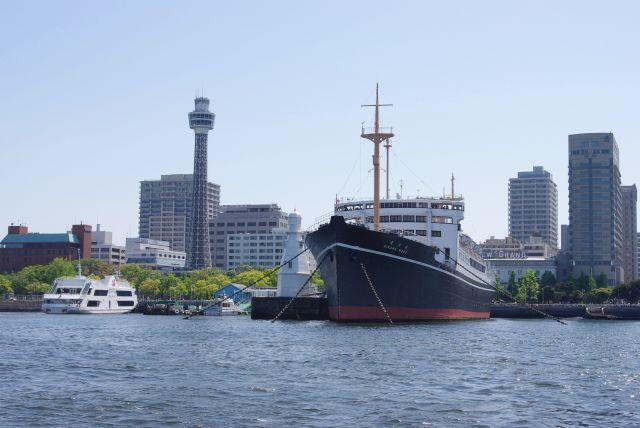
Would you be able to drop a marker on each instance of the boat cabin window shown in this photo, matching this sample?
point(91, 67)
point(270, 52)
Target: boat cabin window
point(441, 206)
point(447, 253)
point(68, 290)
point(124, 303)
point(441, 219)
point(398, 205)
point(93, 303)
point(436, 233)
point(100, 292)
point(477, 265)
point(123, 293)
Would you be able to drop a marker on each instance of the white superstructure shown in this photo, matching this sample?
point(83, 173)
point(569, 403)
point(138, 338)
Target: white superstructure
point(81, 295)
point(434, 222)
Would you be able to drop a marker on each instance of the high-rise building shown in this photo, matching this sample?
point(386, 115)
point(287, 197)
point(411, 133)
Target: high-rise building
point(533, 206)
point(630, 232)
point(201, 121)
point(102, 247)
point(166, 206)
point(564, 237)
point(258, 222)
point(595, 206)
point(638, 252)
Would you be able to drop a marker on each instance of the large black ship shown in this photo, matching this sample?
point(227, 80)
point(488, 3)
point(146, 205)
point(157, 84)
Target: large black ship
point(367, 273)
point(400, 259)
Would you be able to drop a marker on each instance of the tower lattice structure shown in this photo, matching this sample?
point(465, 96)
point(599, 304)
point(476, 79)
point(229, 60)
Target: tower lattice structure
point(201, 121)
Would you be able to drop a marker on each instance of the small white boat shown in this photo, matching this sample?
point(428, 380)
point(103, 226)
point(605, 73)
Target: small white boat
point(81, 295)
point(222, 307)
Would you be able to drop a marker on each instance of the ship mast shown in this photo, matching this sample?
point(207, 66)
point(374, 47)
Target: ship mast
point(453, 179)
point(387, 145)
point(376, 135)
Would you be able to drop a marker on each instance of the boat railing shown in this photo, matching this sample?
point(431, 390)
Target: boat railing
point(385, 130)
point(319, 221)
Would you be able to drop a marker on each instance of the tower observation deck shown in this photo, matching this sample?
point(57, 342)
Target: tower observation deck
point(201, 121)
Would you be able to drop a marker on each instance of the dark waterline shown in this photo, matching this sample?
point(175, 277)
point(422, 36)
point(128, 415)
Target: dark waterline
point(122, 370)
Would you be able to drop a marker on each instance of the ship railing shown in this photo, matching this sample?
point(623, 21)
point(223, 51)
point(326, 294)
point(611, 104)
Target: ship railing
point(384, 130)
point(319, 221)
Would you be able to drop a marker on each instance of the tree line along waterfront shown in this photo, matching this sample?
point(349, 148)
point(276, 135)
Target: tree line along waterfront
point(201, 284)
point(547, 289)
point(149, 283)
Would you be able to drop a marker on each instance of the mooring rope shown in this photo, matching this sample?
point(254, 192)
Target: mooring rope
point(299, 290)
point(528, 305)
point(269, 272)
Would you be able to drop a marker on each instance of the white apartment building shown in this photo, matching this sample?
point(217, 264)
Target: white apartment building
point(256, 249)
point(102, 247)
point(154, 254)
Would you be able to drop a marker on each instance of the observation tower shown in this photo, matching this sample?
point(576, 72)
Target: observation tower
point(199, 252)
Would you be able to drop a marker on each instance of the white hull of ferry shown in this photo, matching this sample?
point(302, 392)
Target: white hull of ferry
point(81, 295)
point(66, 309)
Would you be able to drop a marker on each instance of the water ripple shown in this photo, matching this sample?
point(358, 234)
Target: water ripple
point(132, 370)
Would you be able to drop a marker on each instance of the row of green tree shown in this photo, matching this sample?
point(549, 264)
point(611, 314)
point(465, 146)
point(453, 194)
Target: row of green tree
point(198, 284)
point(547, 289)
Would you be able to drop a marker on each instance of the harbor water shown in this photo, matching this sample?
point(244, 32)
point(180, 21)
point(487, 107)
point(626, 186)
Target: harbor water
point(124, 370)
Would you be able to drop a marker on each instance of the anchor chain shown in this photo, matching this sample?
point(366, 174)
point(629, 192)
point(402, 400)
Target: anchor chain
point(375, 293)
point(299, 290)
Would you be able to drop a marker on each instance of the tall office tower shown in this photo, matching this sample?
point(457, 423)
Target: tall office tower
point(251, 226)
point(201, 121)
point(564, 237)
point(533, 206)
point(638, 252)
point(595, 206)
point(165, 209)
point(630, 232)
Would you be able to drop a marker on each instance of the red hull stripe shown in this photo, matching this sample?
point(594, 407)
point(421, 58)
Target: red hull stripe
point(345, 313)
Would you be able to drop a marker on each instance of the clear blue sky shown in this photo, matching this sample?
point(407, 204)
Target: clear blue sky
point(94, 97)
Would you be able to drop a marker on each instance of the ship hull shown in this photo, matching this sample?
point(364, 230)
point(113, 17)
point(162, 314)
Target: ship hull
point(365, 271)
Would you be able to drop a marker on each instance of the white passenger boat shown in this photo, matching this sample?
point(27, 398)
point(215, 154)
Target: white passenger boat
point(81, 295)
